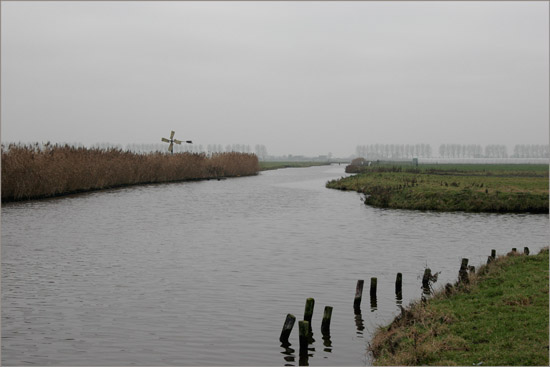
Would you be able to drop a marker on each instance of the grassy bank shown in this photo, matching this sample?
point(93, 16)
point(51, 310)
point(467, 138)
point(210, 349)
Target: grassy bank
point(470, 188)
point(265, 166)
point(500, 318)
point(31, 173)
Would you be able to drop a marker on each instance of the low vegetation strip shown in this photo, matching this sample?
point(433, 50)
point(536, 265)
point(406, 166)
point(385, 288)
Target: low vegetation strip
point(265, 166)
point(499, 190)
point(29, 172)
point(499, 319)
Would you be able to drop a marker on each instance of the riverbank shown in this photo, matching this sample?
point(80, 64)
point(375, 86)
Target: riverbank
point(469, 188)
point(29, 172)
point(266, 166)
point(499, 318)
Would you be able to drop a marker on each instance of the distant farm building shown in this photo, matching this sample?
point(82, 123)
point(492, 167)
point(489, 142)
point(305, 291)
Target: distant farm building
point(359, 162)
point(356, 165)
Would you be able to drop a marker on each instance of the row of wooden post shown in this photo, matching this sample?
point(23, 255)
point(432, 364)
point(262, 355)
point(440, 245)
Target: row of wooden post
point(305, 331)
point(304, 327)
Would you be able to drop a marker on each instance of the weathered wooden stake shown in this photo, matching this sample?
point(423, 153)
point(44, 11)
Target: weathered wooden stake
point(463, 272)
point(493, 253)
point(398, 283)
point(303, 331)
point(287, 328)
point(358, 294)
point(514, 249)
point(526, 250)
point(308, 313)
point(373, 282)
point(325, 324)
point(426, 279)
point(448, 289)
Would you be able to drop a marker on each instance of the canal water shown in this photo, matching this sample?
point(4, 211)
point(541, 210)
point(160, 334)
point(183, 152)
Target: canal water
point(204, 273)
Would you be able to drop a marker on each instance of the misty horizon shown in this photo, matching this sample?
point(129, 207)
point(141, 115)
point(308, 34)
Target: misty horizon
point(301, 78)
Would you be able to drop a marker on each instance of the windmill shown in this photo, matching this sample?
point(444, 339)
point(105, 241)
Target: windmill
point(173, 141)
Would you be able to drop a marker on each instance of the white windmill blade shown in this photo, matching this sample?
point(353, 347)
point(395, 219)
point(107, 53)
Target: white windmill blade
point(165, 140)
point(171, 148)
point(172, 134)
point(177, 141)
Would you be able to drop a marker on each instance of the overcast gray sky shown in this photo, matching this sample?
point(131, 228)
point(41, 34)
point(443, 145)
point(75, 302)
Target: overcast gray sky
point(299, 77)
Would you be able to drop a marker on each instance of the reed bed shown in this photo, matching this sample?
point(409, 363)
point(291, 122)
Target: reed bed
point(33, 171)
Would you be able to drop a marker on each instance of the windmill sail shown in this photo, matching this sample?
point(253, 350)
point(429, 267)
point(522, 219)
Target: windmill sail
point(173, 141)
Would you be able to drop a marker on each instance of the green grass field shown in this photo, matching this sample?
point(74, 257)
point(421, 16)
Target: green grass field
point(470, 188)
point(500, 319)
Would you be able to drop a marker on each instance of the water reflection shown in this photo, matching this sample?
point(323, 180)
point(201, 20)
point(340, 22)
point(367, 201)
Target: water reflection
point(359, 323)
point(327, 343)
point(373, 303)
point(288, 352)
point(399, 299)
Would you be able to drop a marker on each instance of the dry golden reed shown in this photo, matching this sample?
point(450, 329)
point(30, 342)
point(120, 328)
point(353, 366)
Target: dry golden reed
point(30, 172)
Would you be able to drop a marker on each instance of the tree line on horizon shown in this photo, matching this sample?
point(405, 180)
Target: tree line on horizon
point(408, 151)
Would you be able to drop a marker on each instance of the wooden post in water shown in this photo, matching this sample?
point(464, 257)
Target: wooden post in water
point(308, 313)
point(526, 250)
point(325, 324)
point(287, 328)
point(493, 253)
point(373, 282)
point(398, 283)
point(426, 280)
point(463, 272)
point(358, 295)
point(303, 331)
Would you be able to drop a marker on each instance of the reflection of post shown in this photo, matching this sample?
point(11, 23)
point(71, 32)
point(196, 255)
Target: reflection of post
point(373, 303)
point(327, 343)
point(399, 299)
point(359, 322)
point(288, 352)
